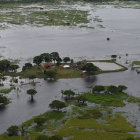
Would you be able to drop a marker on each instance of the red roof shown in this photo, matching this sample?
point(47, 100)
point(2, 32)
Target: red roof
point(47, 64)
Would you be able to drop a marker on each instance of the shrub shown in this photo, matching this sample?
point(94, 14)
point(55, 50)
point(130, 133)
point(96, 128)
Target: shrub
point(121, 88)
point(56, 104)
point(98, 89)
point(13, 130)
point(39, 120)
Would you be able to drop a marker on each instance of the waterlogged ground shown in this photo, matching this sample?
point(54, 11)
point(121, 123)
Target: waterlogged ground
point(23, 36)
point(120, 24)
point(43, 15)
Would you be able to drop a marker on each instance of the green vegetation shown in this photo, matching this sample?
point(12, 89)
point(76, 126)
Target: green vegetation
point(56, 104)
point(31, 92)
point(51, 115)
point(133, 99)
point(110, 96)
point(5, 91)
point(65, 18)
point(83, 123)
point(136, 63)
point(50, 74)
point(3, 101)
point(68, 93)
point(12, 131)
point(47, 17)
point(107, 99)
point(40, 120)
point(37, 71)
point(68, 73)
point(88, 125)
point(90, 68)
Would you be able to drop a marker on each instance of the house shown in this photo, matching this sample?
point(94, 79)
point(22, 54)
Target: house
point(47, 65)
point(66, 66)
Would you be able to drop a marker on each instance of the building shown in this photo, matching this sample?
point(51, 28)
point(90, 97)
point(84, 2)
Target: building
point(47, 65)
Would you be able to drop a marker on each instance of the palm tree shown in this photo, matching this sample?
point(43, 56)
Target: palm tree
point(31, 92)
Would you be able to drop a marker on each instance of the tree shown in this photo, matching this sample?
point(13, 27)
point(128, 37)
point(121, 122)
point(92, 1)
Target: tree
point(66, 59)
point(56, 137)
point(27, 66)
point(40, 120)
point(31, 92)
point(3, 101)
point(71, 61)
point(12, 131)
point(112, 89)
point(42, 137)
point(56, 104)
point(98, 89)
point(121, 88)
point(81, 98)
point(13, 68)
point(46, 57)
point(90, 68)
point(59, 60)
point(113, 57)
point(37, 60)
point(50, 74)
point(54, 56)
point(69, 93)
point(4, 65)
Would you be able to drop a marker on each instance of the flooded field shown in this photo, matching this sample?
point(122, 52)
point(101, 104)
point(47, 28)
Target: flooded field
point(81, 41)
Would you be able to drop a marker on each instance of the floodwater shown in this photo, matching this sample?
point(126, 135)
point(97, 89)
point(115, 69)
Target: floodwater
point(24, 42)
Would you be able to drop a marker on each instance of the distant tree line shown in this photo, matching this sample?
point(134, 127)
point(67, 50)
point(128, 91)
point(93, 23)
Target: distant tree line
point(51, 57)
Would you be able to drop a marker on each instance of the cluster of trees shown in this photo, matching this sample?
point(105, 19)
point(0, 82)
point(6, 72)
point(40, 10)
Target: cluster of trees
point(50, 57)
point(69, 94)
point(90, 68)
point(27, 66)
point(109, 89)
point(6, 66)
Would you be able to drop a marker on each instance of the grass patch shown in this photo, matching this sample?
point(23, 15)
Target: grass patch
point(37, 71)
point(136, 63)
point(46, 17)
point(68, 73)
point(51, 115)
point(107, 99)
point(59, 17)
point(133, 99)
point(116, 128)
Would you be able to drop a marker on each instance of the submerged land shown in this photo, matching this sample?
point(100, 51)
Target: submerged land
point(69, 70)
